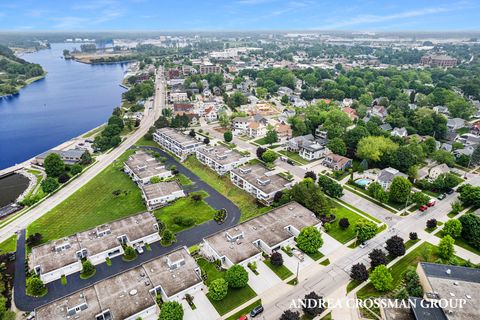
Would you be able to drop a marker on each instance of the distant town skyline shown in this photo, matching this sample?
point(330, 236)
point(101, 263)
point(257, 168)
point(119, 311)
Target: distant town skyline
point(217, 15)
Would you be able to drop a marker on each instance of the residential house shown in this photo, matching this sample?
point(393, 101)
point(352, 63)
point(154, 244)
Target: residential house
point(240, 125)
point(386, 127)
point(179, 144)
point(438, 170)
point(399, 132)
point(441, 109)
point(337, 162)
point(71, 156)
point(267, 233)
point(220, 158)
point(378, 111)
point(259, 182)
point(178, 96)
point(284, 131)
point(256, 129)
point(141, 167)
point(210, 114)
point(455, 123)
point(351, 113)
point(386, 176)
point(159, 194)
point(182, 108)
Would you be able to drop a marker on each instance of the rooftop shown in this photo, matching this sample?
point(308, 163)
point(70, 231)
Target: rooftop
point(220, 154)
point(55, 254)
point(261, 177)
point(237, 243)
point(180, 138)
point(161, 189)
point(144, 165)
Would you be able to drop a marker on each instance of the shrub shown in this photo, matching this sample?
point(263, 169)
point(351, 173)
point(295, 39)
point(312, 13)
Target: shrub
point(35, 286)
point(413, 236)
point(309, 240)
point(34, 239)
point(377, 257)
point(327, 227)
point(220, 215)
point(365, 230)
point(76, 169)
point(446, 248)
point(184, 221)
point(395, 246)
point(171, 310)
point(197, 197)
point(453, 228)
point(381, 278)
point(218, 289)
point(432, 223)
point(129, 253)
point(236, 276)
point(88, 269)
point(49, 185)
point(313, 309)
point(276, 259)
point(168, 238)
point(64, 177)
point(359, 272)
point(343, 223)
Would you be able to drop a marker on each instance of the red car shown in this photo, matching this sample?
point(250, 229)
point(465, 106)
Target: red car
point(431, 203)
point(423, 208)
point(243, 318)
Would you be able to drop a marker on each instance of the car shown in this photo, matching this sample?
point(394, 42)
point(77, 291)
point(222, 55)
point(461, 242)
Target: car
point(431, 203)
point(290, 162)
point(423, 208)
point(244, 317)
point(450, 191)
point(139, 249)
point(442, 196)
point(256, 311)
point(363, 245)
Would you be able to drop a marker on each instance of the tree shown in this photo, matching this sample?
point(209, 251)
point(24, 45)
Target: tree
point(310, 195)
point(376, 191)
point(400, 189)
point(313, 304)
point(337, 146)
point(129, 253)
point(309, 240)
point(359, 272)
point(446, 248)
point(7, 314)
point(271, 136)
point(168, 237)
point(460, 108)
point(343, 223)
point(116, 120)
point(49, 185)
point(284, 99)
point(192, 133)
point(453, 228)
point(276, 259)
point(88, 268)
point(471, 229)
point(310, 174)
point(377, 257)
point(76, 169)
point(223, 120)
point(413, 236)
point(269, 156)
point(352, 137)
point(374, 147)
point(171, 310)
point(236, 276)
point(442, 156)
point(330, 187)
point(54, 165)
point(260, 152)
point(431, 223)
point(395, 246)
point(381, 278)
point(469, 195)
point(290, 315)
point(475, 157)
point(228, 136)
point(197, 197)
point(162, 122)
point(336, 123)
point(206, 140)
point(35, 287)
point(365, 230)
point(34, 239)
point(86, 158)
point(218, 289)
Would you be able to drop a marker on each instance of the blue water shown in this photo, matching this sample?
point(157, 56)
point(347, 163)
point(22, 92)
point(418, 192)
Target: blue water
point(72, 99)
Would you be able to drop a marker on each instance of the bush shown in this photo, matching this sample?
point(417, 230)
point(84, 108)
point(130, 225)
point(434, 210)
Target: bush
point(168, 238)
point(276, 259)
point(171, 310)
point(129, 253)
point(446, 248)
point(88, 269)
point(312, 175)
point(34, 239)
point(327, 227)
point(218, 289)
point(49, 185)
point(432, 223)
point(365, 230)
point(343, 223)
point(453, 228)
point(35, 286)
point(309, 240)
point(290, 315)
point(381, 278)
point(76, 169)
point(236, 276)
point(228, 136)
point(330, 187)
point(220, 215)
point(313, 309)
point(154, 180)
point(413, 236)
point(184, 221)
point(377, 257)
point(359, 272)
point(64, 177)
point(395, 246)
point(197, 197)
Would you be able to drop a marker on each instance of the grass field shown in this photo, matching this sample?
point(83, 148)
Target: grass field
point(93, 204)
point(9, 245)
point(184, 180)
point(348, 234)
point(185, 207)
point(294, 156)
point(245, 202)
point(281, 271)
point(144, 142)
point(234, 298)
point(363, 193)
point(245, 311)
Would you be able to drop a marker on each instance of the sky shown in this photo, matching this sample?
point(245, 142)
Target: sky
point(233, 15)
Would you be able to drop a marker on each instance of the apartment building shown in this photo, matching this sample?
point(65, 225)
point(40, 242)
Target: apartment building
point(142, 166)
point(179, 144)
point(157, 195)
point(220, 158)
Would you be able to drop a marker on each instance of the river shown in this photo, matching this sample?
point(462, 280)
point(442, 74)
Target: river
point(73, 98)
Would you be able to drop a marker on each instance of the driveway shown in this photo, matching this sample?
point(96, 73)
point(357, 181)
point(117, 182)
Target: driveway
point(186, 238)
point(204, 309)
point(292, 262)
point(265, 279)
point(329, 244)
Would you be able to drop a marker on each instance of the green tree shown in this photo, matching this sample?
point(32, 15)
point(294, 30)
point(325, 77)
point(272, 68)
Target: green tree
point(168, 238)
point(129, 253)
point(460, 108)
point(35, 287)
point(310, 195)
point(336, 123)
point(271, 137)
point(376, 191)
point(365, 230)
point(86, 158)
point(116, 120)
point(381, 278)
point(352, 137)
point(49, 185)
point(420, 198)
point(228, 136)
point(442, 156)
point(400, 189)
point(76, 169)
point(269, 156)
point(446, 248)
point(218, 289)
point(309, 240)
point(330, 187)
point(475, 158)
point(471, 229)
point(54, 165)
point(5, 313)
point(469, 195)
point(88, 268)
point(453, 228)
point(374, 147)
point(171, 310)
point(236, 276)
point(284, 99)
point(337, 146)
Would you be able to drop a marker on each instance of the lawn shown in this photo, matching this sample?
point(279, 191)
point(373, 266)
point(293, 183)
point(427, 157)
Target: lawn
point(234, 298)
point(144, 142)
point(410, 243)
point(183, 180)
point(110, 195)
point(93, 131)
point(185, 207)
point(244, 201)
point(363, 193)
point(461, 243)
point(245, 311)
point(358, 210)
point(348, 234)
point(281, 271)
point(9, 245)
point(315, 256)
point(294, 156)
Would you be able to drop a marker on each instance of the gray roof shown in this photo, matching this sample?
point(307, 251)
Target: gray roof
point(387, 174)
point(72, 153)
point(256, 175)
point(426, 310)
point(456, 273)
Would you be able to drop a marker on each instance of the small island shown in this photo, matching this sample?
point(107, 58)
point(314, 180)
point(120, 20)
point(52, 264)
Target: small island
point(90, 54)
point(16, 73)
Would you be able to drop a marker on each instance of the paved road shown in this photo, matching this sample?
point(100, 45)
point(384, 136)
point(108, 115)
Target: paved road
point(102, 162)
point(185, 238)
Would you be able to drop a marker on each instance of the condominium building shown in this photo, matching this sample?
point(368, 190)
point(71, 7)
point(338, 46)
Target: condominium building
point(220, 158)
point(142, 167)
point(179, 144)
point(157, 195)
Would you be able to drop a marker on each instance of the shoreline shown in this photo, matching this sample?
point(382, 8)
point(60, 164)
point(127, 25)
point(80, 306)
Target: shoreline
point(27, 82)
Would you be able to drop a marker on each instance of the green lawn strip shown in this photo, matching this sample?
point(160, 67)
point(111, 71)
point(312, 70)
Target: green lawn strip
point(352, 285)
point(93, 204)
point(234, 298)
point(358, 210)
point(335, 231)
point(363, 194)
point(183, 180)
point(294, 156)
point(461, 243)
point(185, 208)
point(261, 141)
point(452, 214)
point(281, 271)
point(410, 243)
point(245, 311)
point(93, 131)
point(244, 201)
point(325, 262)
point(9, 245)
point(315, 256)
point(328, 316)
point(148, 143)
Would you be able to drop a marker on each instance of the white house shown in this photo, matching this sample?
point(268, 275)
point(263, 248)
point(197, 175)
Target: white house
point(142, 167)
point(179, 144)
point(399, 132)
point(159, 194)
point(220, 158)
point(386, 176)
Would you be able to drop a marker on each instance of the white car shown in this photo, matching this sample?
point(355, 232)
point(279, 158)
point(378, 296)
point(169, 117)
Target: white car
point(139, 249)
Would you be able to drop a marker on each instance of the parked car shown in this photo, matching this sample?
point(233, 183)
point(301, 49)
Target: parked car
point(256, 311)
point(423, 208)
point(139, 249)
point(431, 203)
point(363, 245)
point(450, 191)
point(244, 317)
point(442, 196)
point(290, 162)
